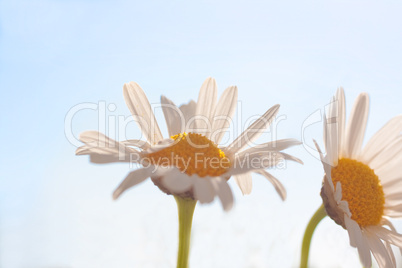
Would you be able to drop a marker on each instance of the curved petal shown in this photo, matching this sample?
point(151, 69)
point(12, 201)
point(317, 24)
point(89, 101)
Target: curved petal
point(93, 138)
point(291, 158)
point(188, 111)
point(353, 230)
point(224, 113)
point(331, 133)
point(203, 190)
point(379, 251)
point(393, 199)
point(206, 106)
point(254, 131)
point(106, 159)
point(176, 181)
point(358, 240)
point(394, 211)
point(103, 149)
point(386, 222)
point(160, 146)
point(137, 143)
point(344, 206)
point(382, 139)
point(390, 253)
point(387, 157)
point(245, 182)
point(357, 126)
point(386, 235)
point(390, 174)
point(273, 146)
point(133, 178)
point(340, 98)
point(327, 167)
point(174, 117)
point(338, 192)
point(391, 186)
point(140, 108)
point(280, 189)
point(224, 192)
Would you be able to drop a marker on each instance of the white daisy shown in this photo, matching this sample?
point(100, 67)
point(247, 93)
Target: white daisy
point(362, 187)
point(189, 163)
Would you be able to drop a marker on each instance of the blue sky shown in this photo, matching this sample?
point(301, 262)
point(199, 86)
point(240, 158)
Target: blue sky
point(57, 54)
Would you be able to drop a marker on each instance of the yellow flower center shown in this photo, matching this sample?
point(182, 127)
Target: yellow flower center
point(362, 190)
point(192, 154)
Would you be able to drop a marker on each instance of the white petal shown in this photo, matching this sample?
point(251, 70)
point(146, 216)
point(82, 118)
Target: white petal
point(391, 173)
point(137, 143)
point(206, 106)
point(224, 192)
point(393, 199)
point(291, 158)
point(357, 239)
point(274, 146)
point(176, 181)
point(140, 108)
point(388, 157)
point(203, 190)
point(133, 178)
point(353, 229)
point(340, 98)
point(364, 251)
point(357, 126)
point(188, 111)
point(160, 146)
point(280, 189)
point(175, 119)
point(344, 206)
point(325, 133)
point(391, 184)
point(390, 253)
point(331, 132)
point(393, 212)
point(105, 159)
point(382, 139)
point(98, 144)
point(386, 235)
point(386, 222)
point(327, 167)
point(245, 182)
point(379, 251)
point(96, 139)
point(338, 192)
point(223, 113)
point(254, 131)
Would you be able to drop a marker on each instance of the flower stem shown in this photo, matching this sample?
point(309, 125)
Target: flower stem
point(308, 234)
point(185, 207)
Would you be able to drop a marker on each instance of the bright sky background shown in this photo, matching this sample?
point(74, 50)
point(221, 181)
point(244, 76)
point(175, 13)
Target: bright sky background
point(56, 209)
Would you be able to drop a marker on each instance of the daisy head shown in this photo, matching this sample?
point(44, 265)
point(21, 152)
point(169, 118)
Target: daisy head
point(190, 163)
point(362, 187)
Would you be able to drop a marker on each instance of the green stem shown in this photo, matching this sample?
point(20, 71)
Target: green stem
point(308, 234)
point(185, 207)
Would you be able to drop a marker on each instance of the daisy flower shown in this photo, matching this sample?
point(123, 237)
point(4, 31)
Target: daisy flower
point(189, 164)
point(362, 187)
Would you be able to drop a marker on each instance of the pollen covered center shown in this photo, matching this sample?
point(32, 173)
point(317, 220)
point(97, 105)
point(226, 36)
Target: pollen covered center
point(362, 190)
point(192, 154)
